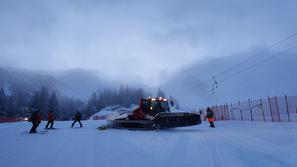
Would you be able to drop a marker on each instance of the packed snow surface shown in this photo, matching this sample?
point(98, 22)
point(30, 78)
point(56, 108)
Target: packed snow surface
point(238, 144)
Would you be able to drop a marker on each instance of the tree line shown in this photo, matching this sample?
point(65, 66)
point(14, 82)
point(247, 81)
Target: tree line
point(21, 104)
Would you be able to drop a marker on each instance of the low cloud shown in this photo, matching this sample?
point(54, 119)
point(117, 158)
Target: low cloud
point(134, 39)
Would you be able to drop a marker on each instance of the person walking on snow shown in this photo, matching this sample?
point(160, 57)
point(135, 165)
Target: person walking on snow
point(77, 118)
point(36, 120)
point(210, 117)
point(50, 120)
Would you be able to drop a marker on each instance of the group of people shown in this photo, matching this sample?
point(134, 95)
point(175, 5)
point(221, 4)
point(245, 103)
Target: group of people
point(35, 119)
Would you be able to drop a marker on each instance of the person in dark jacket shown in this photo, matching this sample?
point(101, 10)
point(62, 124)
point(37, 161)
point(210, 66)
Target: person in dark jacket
point(36, 120)
point(50, 120)
point(210, 117)
point(77, 118)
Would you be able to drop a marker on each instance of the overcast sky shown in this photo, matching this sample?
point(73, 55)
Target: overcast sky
point(142, 40)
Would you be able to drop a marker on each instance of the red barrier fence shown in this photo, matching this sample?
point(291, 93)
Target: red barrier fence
point(273, 109)
point(5, 119)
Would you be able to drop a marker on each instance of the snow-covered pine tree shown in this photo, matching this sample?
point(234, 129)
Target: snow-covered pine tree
point(53, 104)
point(44, 99)
point(12, 106)
point(161, 93)
point(92, 104)
point(34, 103)
point(3, 103)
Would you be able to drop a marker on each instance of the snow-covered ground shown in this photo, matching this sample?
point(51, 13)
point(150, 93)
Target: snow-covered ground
point(231, 144)
point(110, 110)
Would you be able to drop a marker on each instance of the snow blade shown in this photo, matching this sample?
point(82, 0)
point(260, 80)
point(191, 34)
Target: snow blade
point(171, 120)
point(103, 127)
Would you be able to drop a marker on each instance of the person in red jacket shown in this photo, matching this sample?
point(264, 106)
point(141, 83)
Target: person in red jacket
point(138, 115)
point(50, 119)
point(36, 120)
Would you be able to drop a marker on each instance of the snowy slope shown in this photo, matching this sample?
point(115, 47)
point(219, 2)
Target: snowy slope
point(238, 144)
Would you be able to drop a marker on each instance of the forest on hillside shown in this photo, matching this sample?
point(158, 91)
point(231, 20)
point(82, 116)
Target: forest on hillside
point(22, 104)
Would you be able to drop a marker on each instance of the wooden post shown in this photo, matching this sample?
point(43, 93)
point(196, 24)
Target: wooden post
point(287, 106)
point(251, 112)
point(240, 111)
point(277, 109)
point(262, 110)
point(270, 109)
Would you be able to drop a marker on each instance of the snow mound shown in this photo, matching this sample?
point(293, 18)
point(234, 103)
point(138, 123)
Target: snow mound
point(111, 110)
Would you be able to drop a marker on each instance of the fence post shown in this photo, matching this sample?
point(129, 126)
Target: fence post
point(240, 111)
point(222, 111)
point(262, 110)
point(202, 113)
point(277, 109)
point(232, 113)
point(287, 106)
point(227, 110)
point(251, 112)
point(215, 113)
point(226, 113)
point(270, 109)
point(218, 111)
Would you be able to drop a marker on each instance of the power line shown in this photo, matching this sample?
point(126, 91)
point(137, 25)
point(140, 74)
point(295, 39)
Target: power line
point(200, 85)
point(261, 62)
point(252, 56)
point(257, 54)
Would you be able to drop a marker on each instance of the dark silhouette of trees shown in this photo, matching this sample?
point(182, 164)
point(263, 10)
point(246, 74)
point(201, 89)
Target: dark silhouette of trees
point(20, 103)
point(124, 96)
point(161, 93)
point(53, 105)
point(3, 103)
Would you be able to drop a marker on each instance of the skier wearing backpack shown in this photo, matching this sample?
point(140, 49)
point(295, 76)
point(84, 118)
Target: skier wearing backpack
point(36, 120)
point(77, 118)
point(50, 120)
point(210, 117)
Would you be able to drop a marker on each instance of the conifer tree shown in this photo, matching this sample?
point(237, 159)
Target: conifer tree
point(53, 105)
point(3, 103)
point(161, 93)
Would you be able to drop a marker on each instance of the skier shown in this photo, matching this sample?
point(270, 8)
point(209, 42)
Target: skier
point(36, 120)
point(77, 118)
point(210, 117)
point(50, 119)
